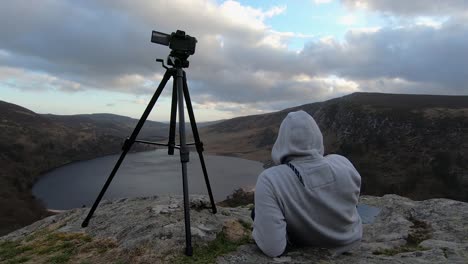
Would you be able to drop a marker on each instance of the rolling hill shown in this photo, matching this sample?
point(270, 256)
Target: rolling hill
point(411, 145)
point(31, 144)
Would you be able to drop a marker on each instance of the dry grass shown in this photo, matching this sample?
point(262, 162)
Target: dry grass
point(51, 246)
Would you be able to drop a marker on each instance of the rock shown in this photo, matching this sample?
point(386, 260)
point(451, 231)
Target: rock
point(121, 200)
point(197, 232)
point(137, 231)
point(239, 197)
point(173, 206)
point(225, 212)
point(406, 231)
point(164, 211)
point(207, 228)
point(282, 260)
point(199, 202)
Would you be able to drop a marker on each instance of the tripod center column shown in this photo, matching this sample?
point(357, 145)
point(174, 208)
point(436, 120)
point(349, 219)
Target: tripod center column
point(184, 153)
point(184, 158)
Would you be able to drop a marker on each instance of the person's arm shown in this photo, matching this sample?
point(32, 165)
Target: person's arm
point(269, 224)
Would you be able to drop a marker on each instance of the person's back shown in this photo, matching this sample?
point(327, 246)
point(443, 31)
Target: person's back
point(308, 199)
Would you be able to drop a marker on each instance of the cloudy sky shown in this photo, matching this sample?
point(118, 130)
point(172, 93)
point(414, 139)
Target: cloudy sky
point(71, 57)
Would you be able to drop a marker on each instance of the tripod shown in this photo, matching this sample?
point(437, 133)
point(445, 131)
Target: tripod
point(179, 93)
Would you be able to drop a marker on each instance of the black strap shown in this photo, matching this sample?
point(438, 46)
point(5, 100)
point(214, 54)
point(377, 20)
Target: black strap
point(298, 174)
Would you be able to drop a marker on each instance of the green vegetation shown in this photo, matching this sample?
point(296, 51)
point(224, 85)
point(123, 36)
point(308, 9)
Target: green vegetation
point(49, 246)
point(238, 198)
point(398, 250)
point(208, 253)
point(246, 225)
point(61, 258)
point(9, 250)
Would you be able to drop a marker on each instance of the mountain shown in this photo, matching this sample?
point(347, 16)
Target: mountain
point(31, 144)
point(411, 145)
point(115, 125)
point(151, 230)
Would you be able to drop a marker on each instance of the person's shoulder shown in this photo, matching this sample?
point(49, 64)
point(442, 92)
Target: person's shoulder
point(341, 164)
point(273, 172)
point(338, 159)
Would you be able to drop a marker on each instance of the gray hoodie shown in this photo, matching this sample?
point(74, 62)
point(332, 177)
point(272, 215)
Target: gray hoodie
point(319, 211)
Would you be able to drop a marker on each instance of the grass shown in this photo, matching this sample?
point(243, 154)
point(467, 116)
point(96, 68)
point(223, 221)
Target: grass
point(246, 225)
point(19, 260)
point(419, 232)
point(10, 249)
point(61, 258)
point(398, 250)
point(49, 246)
point(208, 253)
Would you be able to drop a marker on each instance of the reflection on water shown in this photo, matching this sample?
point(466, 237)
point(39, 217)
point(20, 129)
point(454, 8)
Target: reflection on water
point(142, 174)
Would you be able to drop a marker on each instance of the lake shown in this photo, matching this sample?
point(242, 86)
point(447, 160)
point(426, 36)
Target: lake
point(143, 174)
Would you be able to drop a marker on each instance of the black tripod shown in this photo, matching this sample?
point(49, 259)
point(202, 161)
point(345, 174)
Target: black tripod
point(179, 93)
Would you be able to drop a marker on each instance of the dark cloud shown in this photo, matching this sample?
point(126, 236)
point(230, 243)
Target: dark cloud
point(418, 54)
point(106, 45)
point(411, 7)
point(239, 62)
point(73, 40)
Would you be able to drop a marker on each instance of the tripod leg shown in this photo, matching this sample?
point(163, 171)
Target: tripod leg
point(172, 126)
point(128, 143)
point(184, 158)
point(198, 143)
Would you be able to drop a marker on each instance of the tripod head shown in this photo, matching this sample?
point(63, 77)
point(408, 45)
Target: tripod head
point(181, 45)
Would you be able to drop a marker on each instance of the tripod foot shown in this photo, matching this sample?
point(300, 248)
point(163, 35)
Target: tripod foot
point(85, 223)
point(189, 251)
point(214, 210)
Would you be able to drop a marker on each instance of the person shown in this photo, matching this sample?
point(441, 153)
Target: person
point(307, 199)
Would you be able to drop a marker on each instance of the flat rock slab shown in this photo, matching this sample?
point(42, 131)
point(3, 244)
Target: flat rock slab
point(405, 231)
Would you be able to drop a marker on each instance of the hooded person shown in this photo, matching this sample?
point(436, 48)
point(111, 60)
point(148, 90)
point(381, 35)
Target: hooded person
point(307, 199)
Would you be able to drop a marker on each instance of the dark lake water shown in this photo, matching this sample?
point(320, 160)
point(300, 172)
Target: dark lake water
point(143, 174)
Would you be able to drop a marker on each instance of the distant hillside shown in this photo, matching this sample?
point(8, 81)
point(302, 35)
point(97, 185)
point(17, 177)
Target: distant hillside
point(411, 145)
point(31, 144)
point(109, 124)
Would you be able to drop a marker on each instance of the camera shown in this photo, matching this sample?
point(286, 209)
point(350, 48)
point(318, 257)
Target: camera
point(181, 44)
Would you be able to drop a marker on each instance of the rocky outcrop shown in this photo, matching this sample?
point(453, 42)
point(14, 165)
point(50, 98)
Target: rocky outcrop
point(151, 230)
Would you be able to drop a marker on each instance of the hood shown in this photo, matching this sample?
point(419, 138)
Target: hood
point(298, 136)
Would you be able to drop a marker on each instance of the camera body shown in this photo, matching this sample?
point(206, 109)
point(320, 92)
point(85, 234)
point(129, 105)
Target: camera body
point(182, 45)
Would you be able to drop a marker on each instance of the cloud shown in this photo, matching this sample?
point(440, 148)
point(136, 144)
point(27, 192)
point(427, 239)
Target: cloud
point(106, 45)
point(424, 55)
point(430, 21)
point(348, 20)
point(320, 2)
point(410, 8)
point(241, 64)
point(35, 81)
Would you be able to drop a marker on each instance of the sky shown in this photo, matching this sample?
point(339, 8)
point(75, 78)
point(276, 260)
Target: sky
point(252, 57)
